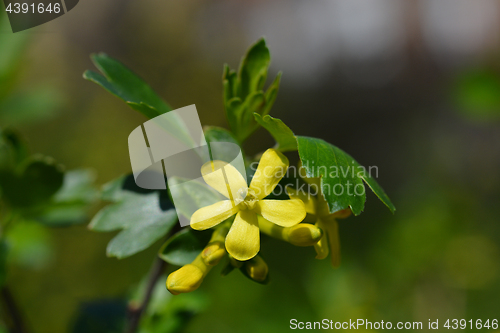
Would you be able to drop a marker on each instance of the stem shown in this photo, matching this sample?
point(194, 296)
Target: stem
point(135, 312)
point(16, 320)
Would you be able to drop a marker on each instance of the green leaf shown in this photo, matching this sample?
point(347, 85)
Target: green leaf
point(71, 203)
point(271, 94)
point(13, 149)
point(339, 171)
point(192, 195)
point(243, 92)
point(183, 247)
point(282, 134)
point(218, 134)
point(36, 182)
point(377, 189)
point(253, 69)
point(226, 153)
point(143, 215)
point(341, 176)
point(121, 82)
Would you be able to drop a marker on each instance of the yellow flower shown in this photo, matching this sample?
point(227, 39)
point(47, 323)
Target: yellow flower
point(319, 212)
point(243, 239)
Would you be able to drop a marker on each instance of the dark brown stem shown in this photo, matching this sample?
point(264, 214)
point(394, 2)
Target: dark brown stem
point(14, 318)
point(135, 311)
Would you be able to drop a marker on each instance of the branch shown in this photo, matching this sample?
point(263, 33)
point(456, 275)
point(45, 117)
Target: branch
point(135, 312)
point(16, 321)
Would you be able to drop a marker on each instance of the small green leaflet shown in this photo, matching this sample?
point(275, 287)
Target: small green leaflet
point(243, 92)
point(71, 203)
point(123, 83)
point(281, 133)
point(337, 169)
point(145, 216)
point(32, 183)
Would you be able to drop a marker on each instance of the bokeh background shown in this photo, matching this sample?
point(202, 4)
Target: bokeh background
point(412, 87)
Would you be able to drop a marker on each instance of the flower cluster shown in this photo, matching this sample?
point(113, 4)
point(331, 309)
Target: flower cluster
point(239, 220)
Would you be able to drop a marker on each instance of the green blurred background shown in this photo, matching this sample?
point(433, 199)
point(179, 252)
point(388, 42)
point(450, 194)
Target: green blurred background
point(412, 87)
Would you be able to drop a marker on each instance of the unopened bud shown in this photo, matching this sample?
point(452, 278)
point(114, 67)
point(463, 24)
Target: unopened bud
point(184, 280)
point(257, 269)
point(303, 234)
point(213, 253)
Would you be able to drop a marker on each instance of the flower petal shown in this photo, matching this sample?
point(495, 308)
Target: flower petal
point(303, 196)
point(285, 213)
point(321, 247)
point(212, 215)
point(272, 167)
point(226, 179)
point(243, 239)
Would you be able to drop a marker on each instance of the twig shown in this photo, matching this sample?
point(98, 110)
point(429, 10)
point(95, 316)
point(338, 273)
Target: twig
point(135, 312)
point(16, 320)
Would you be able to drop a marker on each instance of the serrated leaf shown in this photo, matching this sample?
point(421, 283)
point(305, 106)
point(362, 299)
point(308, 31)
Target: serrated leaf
point(71, 203)
point(282, 134)
point(183, 247)
point(229, 81)
point(123, 83)
point(341, 176)
point(242, 114)
point(141, 236)
point(243, 92)
point(42, 178)
point(271, 94)
point(144, 215)
point(253, 68)
point(337, 168)
point(377, 189)
point(34, 184)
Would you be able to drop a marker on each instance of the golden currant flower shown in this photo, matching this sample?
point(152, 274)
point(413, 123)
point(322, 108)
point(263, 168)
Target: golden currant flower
point(319, 212)
point(243, 239)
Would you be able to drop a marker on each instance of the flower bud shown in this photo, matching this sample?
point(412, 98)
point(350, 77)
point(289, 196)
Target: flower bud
point(256, 268)
point(184, 280)
point(302, 234)
point(213, 253)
